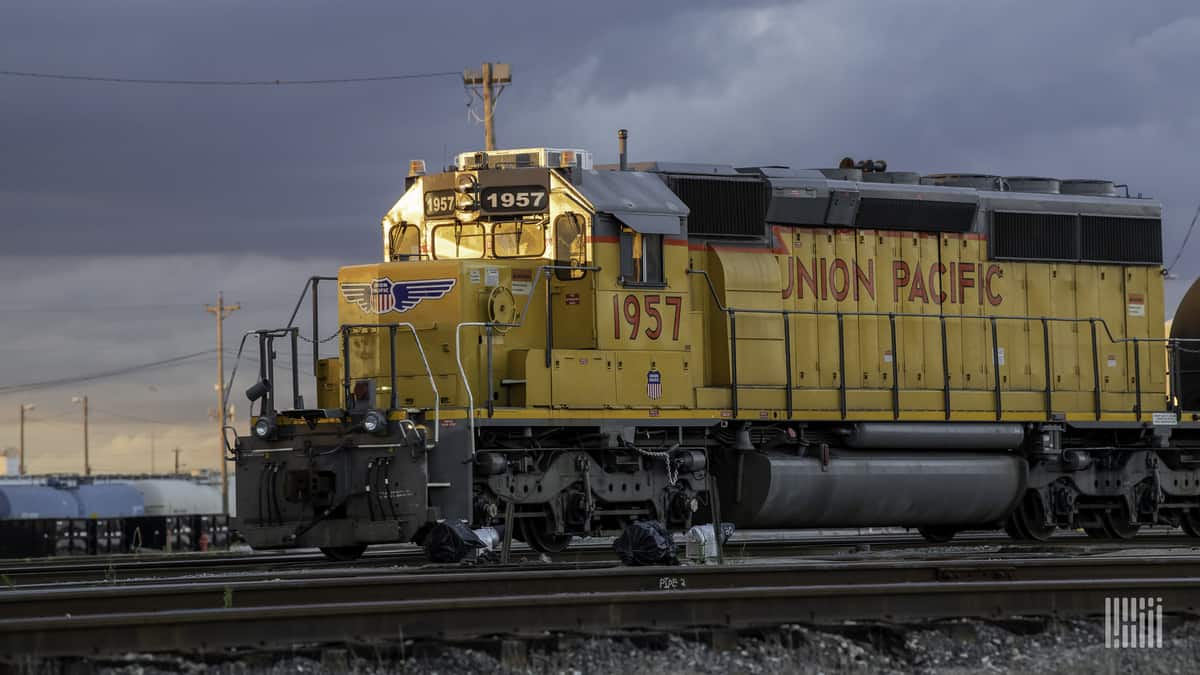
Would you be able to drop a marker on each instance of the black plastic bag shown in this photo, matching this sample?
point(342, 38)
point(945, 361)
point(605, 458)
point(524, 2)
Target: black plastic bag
point(646, 542)
point(451, 541)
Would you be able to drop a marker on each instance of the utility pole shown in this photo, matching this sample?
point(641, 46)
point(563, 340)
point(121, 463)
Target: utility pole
point(481, 82)
point(221, 310)
point(87, 465)
point(176, 451)
point(25, 407)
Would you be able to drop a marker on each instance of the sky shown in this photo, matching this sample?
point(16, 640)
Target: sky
point(125, 208)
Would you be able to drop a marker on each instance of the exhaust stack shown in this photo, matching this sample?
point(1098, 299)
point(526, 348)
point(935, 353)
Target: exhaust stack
point(622, 136)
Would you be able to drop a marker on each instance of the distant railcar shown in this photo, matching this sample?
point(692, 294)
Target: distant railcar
point(561, 349)
point(68, 516)
point(29, 519)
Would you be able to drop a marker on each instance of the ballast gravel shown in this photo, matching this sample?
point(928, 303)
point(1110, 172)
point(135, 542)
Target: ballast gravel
point(945, 648)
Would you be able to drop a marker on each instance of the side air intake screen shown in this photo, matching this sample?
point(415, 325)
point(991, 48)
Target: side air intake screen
point(1071, 238)
point(914, 214)
point(731, 208)
point(1035, 236)
point(1122, 239)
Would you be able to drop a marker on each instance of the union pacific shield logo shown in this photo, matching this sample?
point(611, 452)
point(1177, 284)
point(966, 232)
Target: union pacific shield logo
point(653, 384)
point(383, 295)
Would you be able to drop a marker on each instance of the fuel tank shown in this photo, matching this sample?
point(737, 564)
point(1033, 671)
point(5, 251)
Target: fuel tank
point(854, 488)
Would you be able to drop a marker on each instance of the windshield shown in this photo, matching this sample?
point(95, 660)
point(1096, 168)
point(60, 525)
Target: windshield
point(504, 239)
point(404, 241)
point(518, 239)
point(460, 240)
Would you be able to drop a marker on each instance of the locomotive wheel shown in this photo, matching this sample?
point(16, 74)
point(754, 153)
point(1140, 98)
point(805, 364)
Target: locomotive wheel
point(344, 553)
point(1190, 522)
point(1117, 525)
point(937, 534)
point(534, 533)
point(1031, 518)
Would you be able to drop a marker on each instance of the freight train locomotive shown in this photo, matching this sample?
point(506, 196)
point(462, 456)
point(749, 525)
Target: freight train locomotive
point(562, 349)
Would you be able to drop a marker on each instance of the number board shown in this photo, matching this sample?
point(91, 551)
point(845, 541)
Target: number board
point(439, 203)
point(514, 199)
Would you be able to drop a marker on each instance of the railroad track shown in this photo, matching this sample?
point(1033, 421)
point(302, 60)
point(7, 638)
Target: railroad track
point(200, 615)
point(131, 567)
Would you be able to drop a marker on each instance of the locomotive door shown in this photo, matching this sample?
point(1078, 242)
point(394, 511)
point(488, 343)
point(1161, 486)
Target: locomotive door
point(572, 291)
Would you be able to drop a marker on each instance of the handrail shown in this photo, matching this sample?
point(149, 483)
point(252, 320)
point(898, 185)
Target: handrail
point(437, 399)
point(490, 326)
point(1172, 345)
point(313, 282)
point(266, 364)
point(237, 360)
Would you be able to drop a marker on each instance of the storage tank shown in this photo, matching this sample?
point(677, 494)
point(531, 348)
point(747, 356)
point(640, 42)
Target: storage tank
point(109, 500)
point(24, 502)
point(169, 497)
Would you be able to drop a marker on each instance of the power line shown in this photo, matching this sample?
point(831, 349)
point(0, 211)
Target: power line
point(225, 83)
point(165, 363)
point(97, 308)
point(46, 384)
point(1183, 245)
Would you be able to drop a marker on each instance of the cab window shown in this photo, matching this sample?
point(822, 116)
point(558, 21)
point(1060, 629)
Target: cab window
point(570, 246)
point(518, 239)
point(460, 240)
point(641, 258)
point(404, 241)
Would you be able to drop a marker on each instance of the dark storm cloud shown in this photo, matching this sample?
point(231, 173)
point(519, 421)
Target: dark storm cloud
point(111, 168)
point(124, 208)
point(1068, 89)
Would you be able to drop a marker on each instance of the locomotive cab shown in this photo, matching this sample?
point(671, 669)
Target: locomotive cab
point(518, 280)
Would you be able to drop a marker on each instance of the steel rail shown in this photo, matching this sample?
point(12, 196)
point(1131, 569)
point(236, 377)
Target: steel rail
point(130, 568)
point(681, 608)
point(397, 585)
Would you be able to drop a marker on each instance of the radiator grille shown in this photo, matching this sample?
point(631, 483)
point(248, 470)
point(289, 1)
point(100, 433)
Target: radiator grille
point(1121, 239)
point(1035, 236)
point(914, 214)
point(731, 208)
point(1071, 238)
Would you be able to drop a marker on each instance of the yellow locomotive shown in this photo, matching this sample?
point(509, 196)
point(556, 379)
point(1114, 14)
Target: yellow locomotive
point(562, 349)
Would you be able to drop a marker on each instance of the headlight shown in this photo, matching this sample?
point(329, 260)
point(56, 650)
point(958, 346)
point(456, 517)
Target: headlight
point(264, 427)
point(375, 422)
point(465, 202)
point(466, 183)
